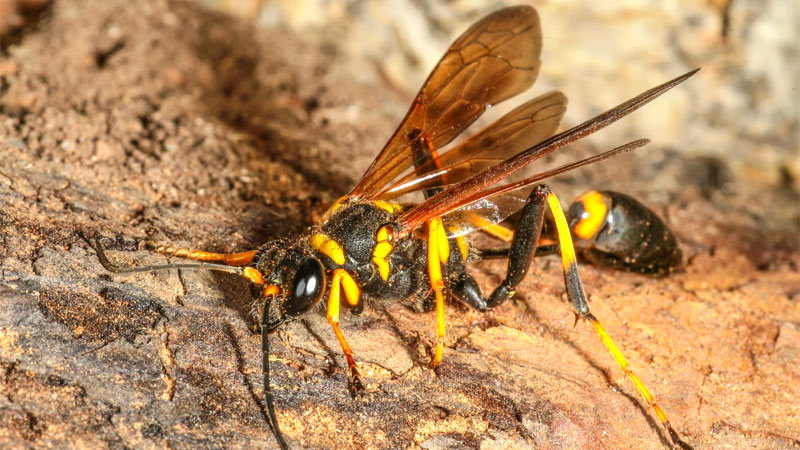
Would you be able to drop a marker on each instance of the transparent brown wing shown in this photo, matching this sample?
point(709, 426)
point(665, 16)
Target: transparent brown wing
point(525, 126)
point(496, 58)
point(476, 193)
point(498, 202)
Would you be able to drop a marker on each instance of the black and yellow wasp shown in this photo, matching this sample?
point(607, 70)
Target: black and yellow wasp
point(371, 246)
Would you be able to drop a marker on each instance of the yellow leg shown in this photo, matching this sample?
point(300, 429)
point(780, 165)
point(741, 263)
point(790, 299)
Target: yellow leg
point(343, 281)
point(581, 307)
point(494, 230)
point(437, 241)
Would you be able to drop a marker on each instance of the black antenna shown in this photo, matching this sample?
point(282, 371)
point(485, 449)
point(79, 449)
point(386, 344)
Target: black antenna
point(273, 420)
point(265, 369)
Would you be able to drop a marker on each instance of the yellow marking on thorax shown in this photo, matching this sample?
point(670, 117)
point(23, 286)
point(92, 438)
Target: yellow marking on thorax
point(389, 207)
point(382, 251)
point(335, 207)
point(595, 209)
point(328, 247)
point(383, 235)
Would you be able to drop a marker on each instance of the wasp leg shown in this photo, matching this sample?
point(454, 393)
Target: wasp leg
point(498, 231)
point(581, 308)
point(424, 152)
point(438, 244)
point(495, 230)
point(438, 254)
point(520, 255)
point(232, 259)
point(547, 249)
point(502, 253)
point(343, 281)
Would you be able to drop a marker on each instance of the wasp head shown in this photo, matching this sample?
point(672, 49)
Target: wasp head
point(299, 276)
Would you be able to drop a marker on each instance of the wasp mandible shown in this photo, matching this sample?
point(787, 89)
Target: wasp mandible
point(372, 246)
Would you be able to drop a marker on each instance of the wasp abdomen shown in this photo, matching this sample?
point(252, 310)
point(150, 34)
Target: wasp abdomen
point(614, 230)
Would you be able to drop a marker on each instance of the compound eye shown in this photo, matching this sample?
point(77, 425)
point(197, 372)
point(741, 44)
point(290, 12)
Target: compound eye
point(309, 285)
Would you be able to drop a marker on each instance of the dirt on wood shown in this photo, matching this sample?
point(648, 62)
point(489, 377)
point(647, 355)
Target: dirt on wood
point(165, 121)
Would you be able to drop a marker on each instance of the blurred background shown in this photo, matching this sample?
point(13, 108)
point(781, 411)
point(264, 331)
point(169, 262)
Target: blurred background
point(730, 135)
point(741, 109)
point(734, 124)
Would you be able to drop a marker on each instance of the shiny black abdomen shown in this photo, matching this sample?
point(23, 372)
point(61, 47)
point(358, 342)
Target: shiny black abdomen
point(638, 241)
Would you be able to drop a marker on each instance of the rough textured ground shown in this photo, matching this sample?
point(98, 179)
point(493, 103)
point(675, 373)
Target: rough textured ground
point(167, 121)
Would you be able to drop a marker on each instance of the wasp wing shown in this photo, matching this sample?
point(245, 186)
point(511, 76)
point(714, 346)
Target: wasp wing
point(475, 192)
point(528, 124)
point(496, 58)
point(495, 204)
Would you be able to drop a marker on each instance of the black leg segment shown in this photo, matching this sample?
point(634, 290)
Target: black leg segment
point(520, 255)
point(523, 247)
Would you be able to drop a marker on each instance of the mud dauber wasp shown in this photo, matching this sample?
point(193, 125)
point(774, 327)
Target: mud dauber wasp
point(370, 246)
